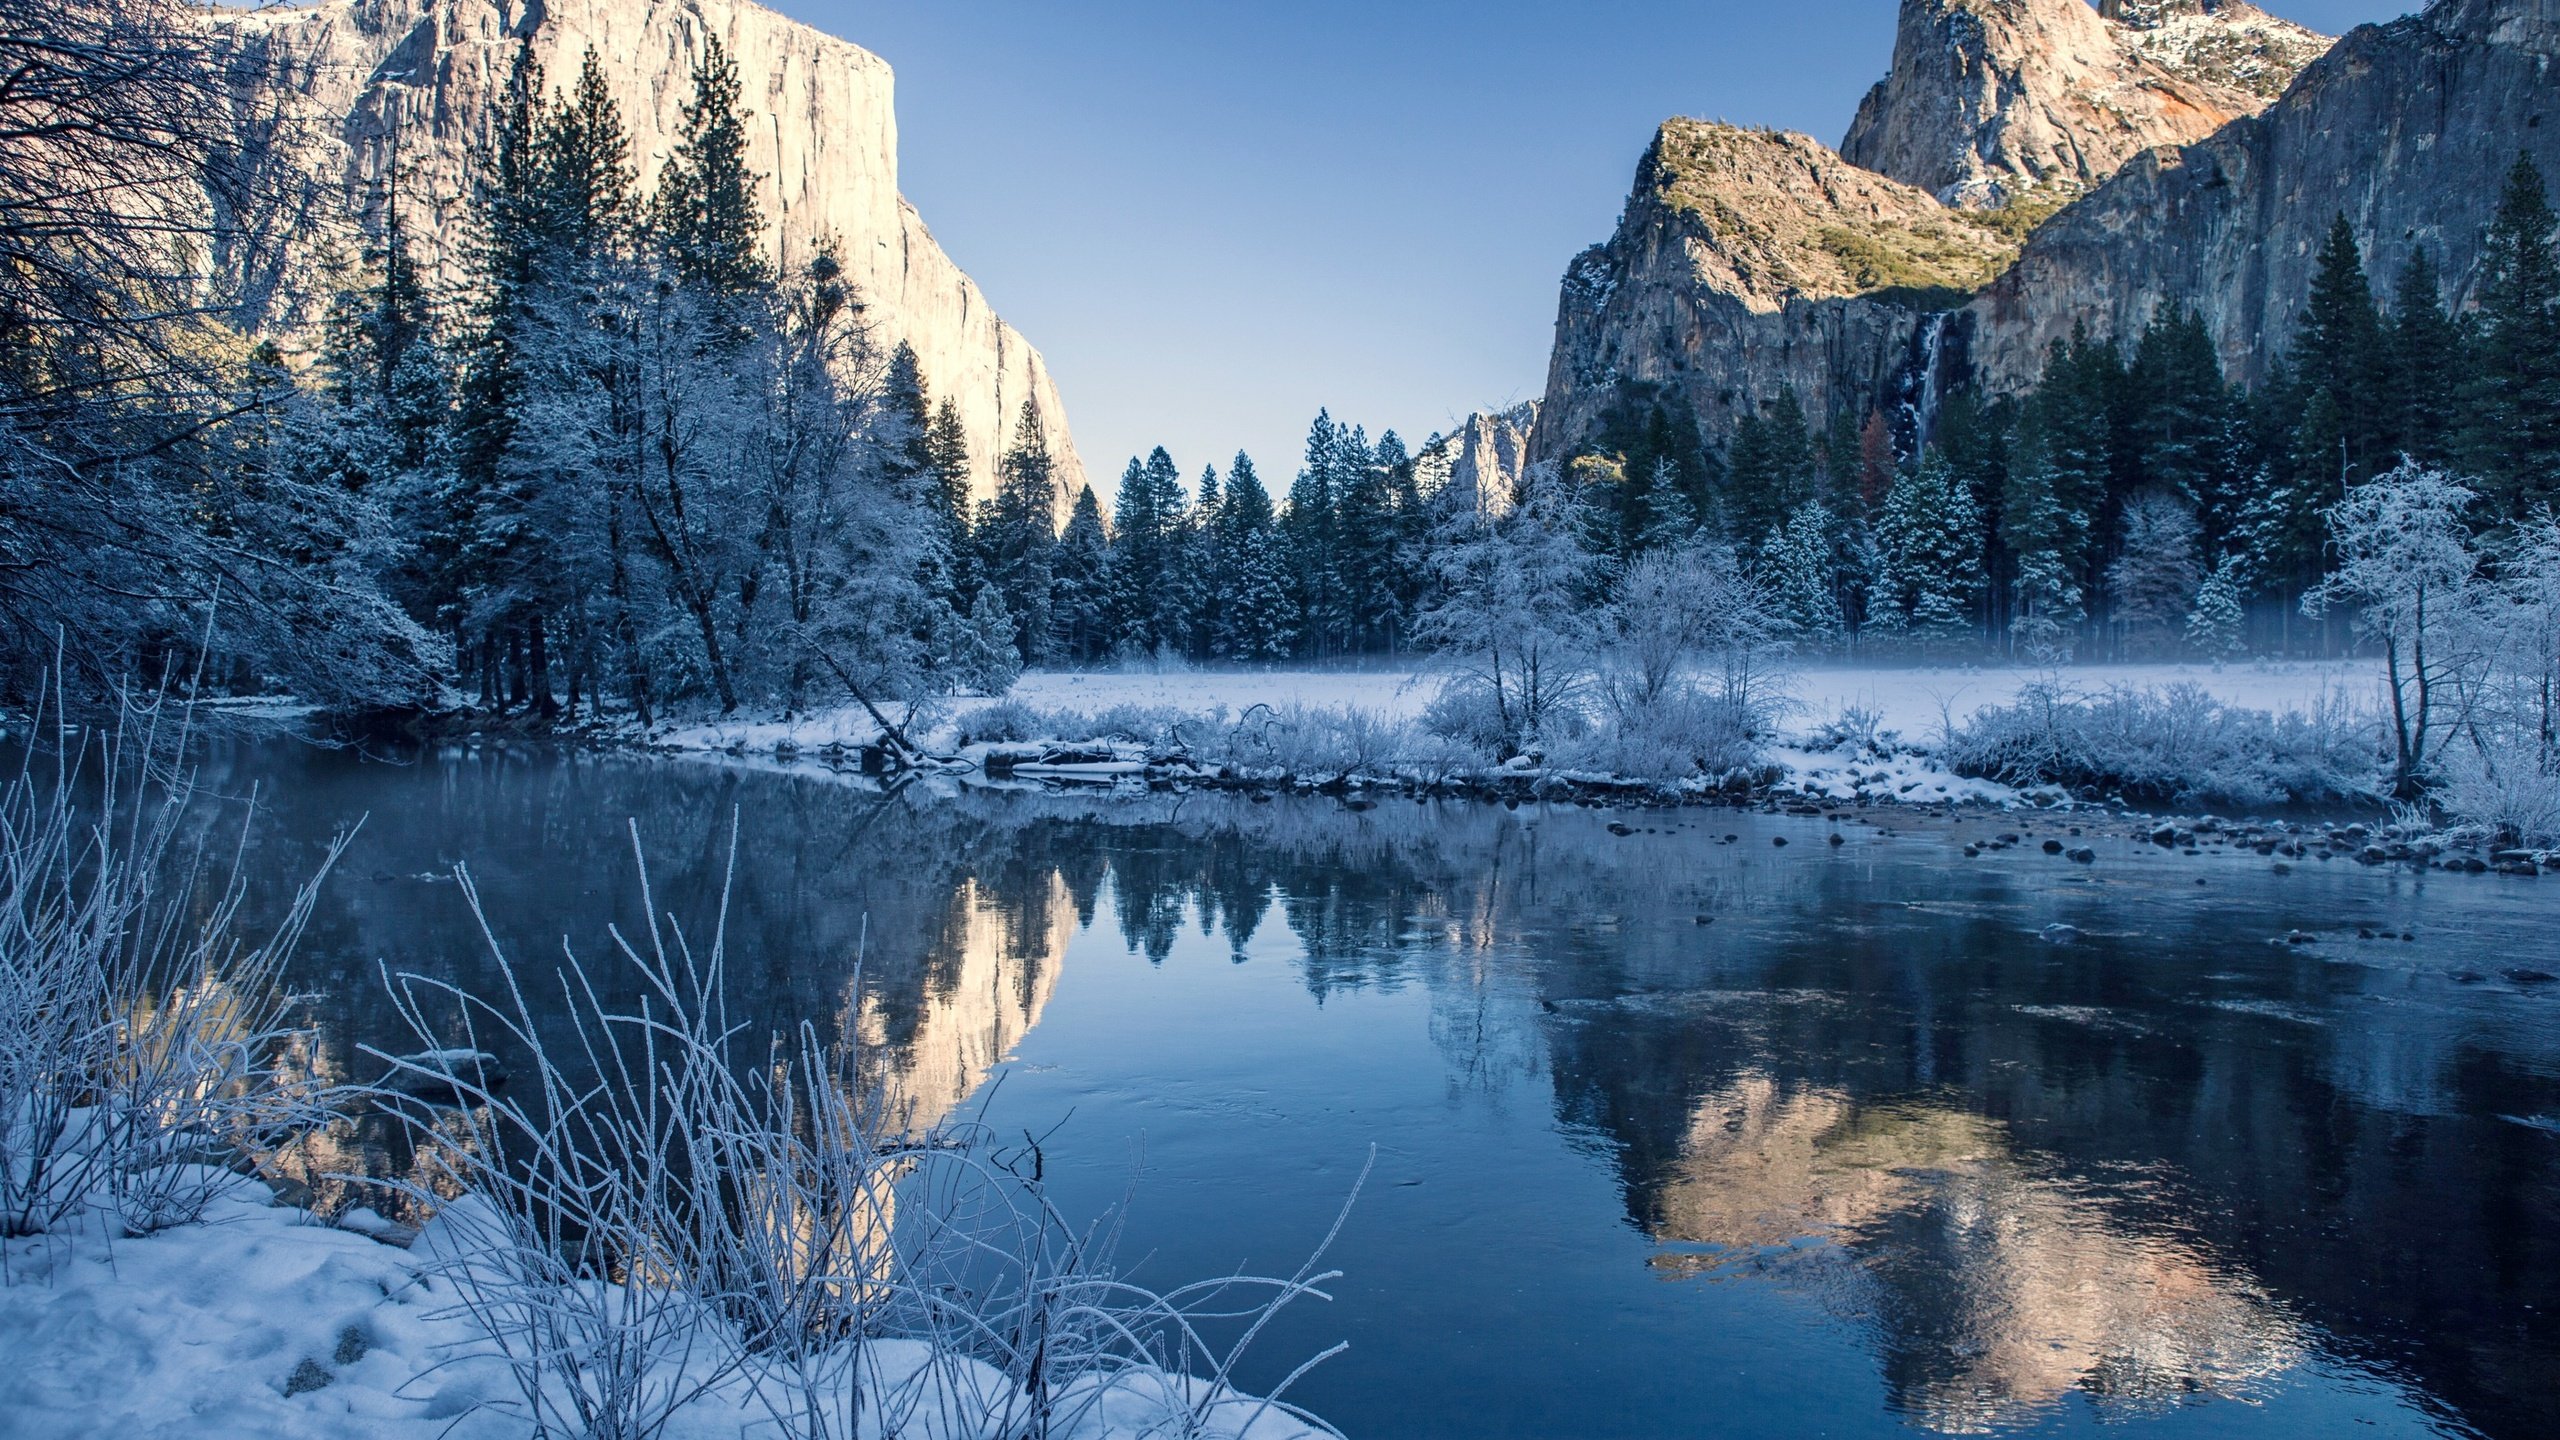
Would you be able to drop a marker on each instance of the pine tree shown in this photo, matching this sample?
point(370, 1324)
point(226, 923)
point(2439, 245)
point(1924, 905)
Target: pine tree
point(1771, 471)
point(1669, 518)
point(2512, 430)
point(706, 210)
point(984, 655)
point(1796, 566)
point(1200, 578)
point(946, 455)
point(1082, 586)
point(1365, 542)
point(2422, 397)
point(2338, 352)
point(1017, 534)
point(478, 520)
point(2214, 625)
point(2060, 469)
point(1307, 535)
point(1147, 611)
point(1928, 538)
point(906, 419)
point(2180, 425)
point(585, 178)
point(1257, 616)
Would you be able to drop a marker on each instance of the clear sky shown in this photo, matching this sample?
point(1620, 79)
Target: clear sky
point(1214, 217)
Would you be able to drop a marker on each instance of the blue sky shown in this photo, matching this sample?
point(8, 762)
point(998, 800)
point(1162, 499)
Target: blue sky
point(1214, 217)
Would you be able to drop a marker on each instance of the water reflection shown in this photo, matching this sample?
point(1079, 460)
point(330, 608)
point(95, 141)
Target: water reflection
point(1995, 1287)
point(2173, 1164)
point(985, 983)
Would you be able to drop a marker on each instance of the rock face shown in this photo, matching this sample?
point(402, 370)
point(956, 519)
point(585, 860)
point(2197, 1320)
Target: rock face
point(341, 92)
point(2407, 129)
point(1748, 261)
point(1482, 458)
point(1989, 99)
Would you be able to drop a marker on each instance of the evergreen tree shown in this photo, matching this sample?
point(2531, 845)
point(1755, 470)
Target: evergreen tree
point(2214, 625)
point(1307, 534)
point(985, 657)
point(2422, 397)
point(1770, 472)
point(1796, 566)
point(1017, 534)
point(479, 522)
point(706, 211)
point(906, 421)
point(1256, 611)
point(2338, 353)
point(1365, 549)
point(1201, 560)
point(1081, 586)
point(1974, 434)
point(1927, 538)
point(2061, 467)
point(2512, 439)
point(946, 457)
point(1148, 609)
point(2181, 420)
point(585, 178)
point(1669, 518)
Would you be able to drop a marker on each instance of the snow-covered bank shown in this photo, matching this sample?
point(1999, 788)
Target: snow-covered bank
point(1842, 733)
point(262, 1323)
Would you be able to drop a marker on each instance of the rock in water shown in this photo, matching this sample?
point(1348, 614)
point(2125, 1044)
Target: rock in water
point(2058, 934)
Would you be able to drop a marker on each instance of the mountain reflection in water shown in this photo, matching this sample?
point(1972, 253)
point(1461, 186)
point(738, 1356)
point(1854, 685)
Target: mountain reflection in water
point(1994, 1287)
point(1901, 1163)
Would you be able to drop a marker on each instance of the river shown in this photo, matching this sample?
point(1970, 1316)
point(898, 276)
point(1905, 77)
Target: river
point(1678, 1131)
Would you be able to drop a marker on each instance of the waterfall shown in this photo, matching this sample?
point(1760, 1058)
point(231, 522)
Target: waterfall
point(1922, 386)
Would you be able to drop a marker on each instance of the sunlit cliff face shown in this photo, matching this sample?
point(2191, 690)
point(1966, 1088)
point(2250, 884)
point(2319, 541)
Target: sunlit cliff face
point(1995, 1289)
point(987, 982)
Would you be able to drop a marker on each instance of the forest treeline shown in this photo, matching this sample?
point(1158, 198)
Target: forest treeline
point(630, 462)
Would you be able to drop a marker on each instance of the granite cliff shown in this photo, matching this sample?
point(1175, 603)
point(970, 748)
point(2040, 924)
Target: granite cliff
point(337, 93)
point(1747, 262)
point(2407, 129)
point(1990, 99)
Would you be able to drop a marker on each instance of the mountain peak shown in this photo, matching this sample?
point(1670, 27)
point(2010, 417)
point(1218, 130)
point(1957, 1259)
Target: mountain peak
point(1991, 99)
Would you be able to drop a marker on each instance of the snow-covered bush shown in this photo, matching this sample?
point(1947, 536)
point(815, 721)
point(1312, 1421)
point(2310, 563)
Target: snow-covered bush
point(1320, 742)
point(2176, 745)
point(144, 1037)
point(1683, 732)
point(665, 1209)
point(1515, 613)
point(2504, 787)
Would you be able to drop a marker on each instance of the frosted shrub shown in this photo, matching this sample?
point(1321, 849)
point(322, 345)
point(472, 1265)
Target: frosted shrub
point(2509, 789)
point(1470, 712)
point(144, 1039)
point(665, 1211)
point(2176, 745)
point(1012, 722)
point(1683, 732)
point(1319, 742)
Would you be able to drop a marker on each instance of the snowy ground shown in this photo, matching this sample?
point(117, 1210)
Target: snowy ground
point(1914, 703)
point(263, 1324)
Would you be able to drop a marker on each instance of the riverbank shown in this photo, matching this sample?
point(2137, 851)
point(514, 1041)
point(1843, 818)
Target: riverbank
point(263, 1322)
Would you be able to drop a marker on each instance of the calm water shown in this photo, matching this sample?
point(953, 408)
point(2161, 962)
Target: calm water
point(1675, 1136)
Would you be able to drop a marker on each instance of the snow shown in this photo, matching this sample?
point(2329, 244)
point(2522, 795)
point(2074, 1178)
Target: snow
point(1913, 703)
point(263, 1323)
